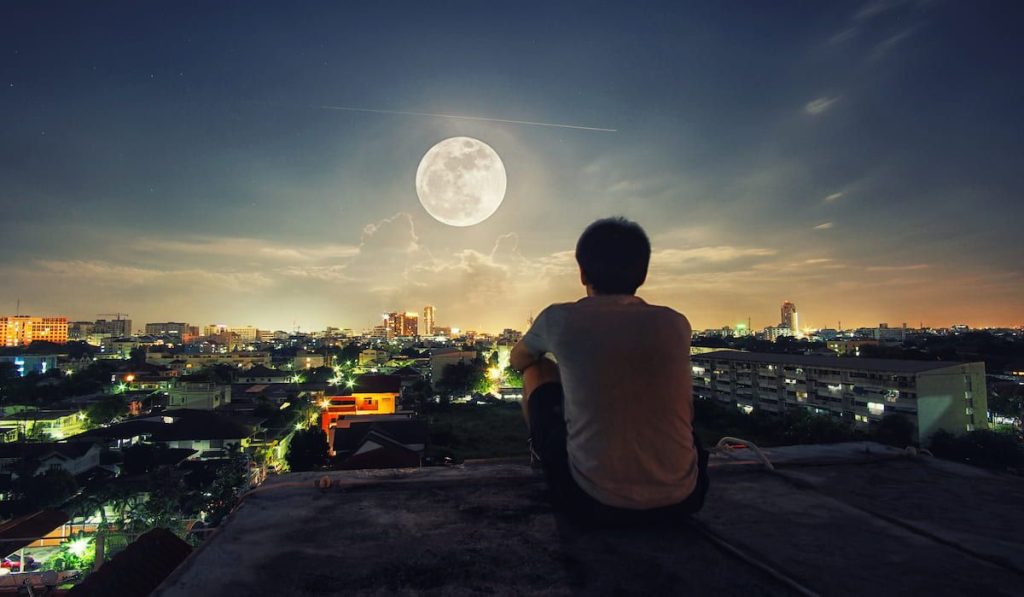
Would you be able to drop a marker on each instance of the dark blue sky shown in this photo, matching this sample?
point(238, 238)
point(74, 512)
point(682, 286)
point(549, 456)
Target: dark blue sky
point(173, 160)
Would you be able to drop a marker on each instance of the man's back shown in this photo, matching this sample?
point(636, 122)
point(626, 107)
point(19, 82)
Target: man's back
point(628, 397)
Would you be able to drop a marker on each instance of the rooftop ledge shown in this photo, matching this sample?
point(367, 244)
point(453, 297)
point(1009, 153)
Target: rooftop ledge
point(845, 519)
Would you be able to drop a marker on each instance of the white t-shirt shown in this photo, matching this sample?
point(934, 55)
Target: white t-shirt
point(625, 368)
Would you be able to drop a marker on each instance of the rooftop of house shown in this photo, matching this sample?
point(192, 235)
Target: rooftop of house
point(39, 415)
point(177, 424)
point(845, 519)
point(827, 362)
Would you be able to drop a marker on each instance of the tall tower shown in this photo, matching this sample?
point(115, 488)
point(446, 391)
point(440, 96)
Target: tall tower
point(428, 321)
point(790, 319)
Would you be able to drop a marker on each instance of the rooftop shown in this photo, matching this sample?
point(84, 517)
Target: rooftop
point(845, 519)
point(830, 362)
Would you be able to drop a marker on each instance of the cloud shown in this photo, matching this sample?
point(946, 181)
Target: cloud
point(888, 44)
point(897, 268)
point(824, 226)
point(834, 197)
point(104, 273)
point(819, 105)
point(816, 261)
point(711, 254)
point(242, 247)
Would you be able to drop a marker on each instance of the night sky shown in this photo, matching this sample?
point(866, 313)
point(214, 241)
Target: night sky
point(173, 160)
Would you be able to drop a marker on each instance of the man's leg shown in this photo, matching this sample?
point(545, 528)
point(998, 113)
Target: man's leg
point(542, 372)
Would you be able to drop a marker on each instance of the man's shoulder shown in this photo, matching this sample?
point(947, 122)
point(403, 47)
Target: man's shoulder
point(670, 312)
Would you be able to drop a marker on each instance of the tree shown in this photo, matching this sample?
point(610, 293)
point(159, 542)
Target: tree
point(307, 449)
point(981, 447)
point(513, 378)
point(137, 356)
point(896, 430)
point(106, 410)
point(461, 378)
point(49, 489)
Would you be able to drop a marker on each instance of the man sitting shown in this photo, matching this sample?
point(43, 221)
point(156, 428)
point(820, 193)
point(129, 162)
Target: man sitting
point(608, 391)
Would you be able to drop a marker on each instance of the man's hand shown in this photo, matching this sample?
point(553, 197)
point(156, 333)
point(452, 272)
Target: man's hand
point(520, 358)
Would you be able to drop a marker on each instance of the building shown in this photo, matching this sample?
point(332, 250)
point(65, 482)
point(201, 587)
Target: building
point(25, 364)
point(308, 360)
point(395, 441)
point(933, 395)
point(371, 395)
point(245, 334)
point(207, 433)
point(442, 357)
point(884, 333)
point(371, 357)
point(22, 330)
point(79, 330)
point(790, 319)
point(201, 395)
point(76, 458)
point(195, 362)
point(50, 424)
point(263, 375)
point(115, 328)
point(851, 347)
point(168, 329)
point(428, 321)
point(402, 325)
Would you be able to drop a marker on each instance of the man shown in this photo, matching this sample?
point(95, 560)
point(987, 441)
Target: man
point(608, 391)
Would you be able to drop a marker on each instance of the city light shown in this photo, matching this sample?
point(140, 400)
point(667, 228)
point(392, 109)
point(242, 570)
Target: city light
point(80, 546)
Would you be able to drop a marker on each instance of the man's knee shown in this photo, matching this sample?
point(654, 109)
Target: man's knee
point(542, 372)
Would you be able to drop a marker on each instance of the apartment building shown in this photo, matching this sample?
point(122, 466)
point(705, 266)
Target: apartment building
point(22, 330)
point(933, 395)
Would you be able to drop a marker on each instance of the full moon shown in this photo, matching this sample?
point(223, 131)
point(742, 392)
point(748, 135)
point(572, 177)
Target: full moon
point(461, 181)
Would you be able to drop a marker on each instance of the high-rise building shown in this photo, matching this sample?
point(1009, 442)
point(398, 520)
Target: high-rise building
point(790, 318)
point(214, 329)
point(167, 328)
point(79, 330)
point(115, 328)
point(401, 325)
point(932, 395)
point(246, 334)
point(428, 321)
point(21, 330)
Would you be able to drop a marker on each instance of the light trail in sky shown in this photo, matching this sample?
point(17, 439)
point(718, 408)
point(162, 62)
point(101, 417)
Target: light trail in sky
point(476, 118)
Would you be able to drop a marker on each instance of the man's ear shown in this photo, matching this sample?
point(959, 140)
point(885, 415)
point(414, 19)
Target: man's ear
point(583, 278)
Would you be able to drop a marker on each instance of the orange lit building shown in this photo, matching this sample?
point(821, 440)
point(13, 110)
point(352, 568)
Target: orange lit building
point(22, 330)
point(401, 325)
point(371, 395)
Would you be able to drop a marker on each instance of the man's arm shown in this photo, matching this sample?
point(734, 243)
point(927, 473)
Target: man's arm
point(520, 358)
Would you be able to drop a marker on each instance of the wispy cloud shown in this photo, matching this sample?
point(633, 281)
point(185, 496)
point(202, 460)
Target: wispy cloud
point(897, 268)
point(834, 197)
point(888, 44)
point(824, 226)
point(819, 105)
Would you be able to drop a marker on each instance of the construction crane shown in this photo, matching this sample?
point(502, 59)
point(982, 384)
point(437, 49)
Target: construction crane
point(117, 315)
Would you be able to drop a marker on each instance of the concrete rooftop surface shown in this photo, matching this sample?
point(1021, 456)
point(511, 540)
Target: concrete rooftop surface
point(846, 519)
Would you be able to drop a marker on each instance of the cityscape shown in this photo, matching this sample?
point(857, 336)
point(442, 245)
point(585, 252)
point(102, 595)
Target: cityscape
point(270, 273)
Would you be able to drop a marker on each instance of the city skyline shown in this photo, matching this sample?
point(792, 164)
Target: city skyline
point(858, 159)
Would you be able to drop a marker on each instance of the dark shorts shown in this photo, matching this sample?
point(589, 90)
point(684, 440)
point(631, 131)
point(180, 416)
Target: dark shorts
point(548, 439)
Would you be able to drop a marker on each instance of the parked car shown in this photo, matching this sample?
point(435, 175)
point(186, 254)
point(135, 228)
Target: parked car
point(13, 563)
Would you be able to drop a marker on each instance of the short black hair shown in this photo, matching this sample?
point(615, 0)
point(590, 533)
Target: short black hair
point(613, 254)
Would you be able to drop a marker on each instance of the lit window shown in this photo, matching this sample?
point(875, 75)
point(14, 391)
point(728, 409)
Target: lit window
point(876, 408)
